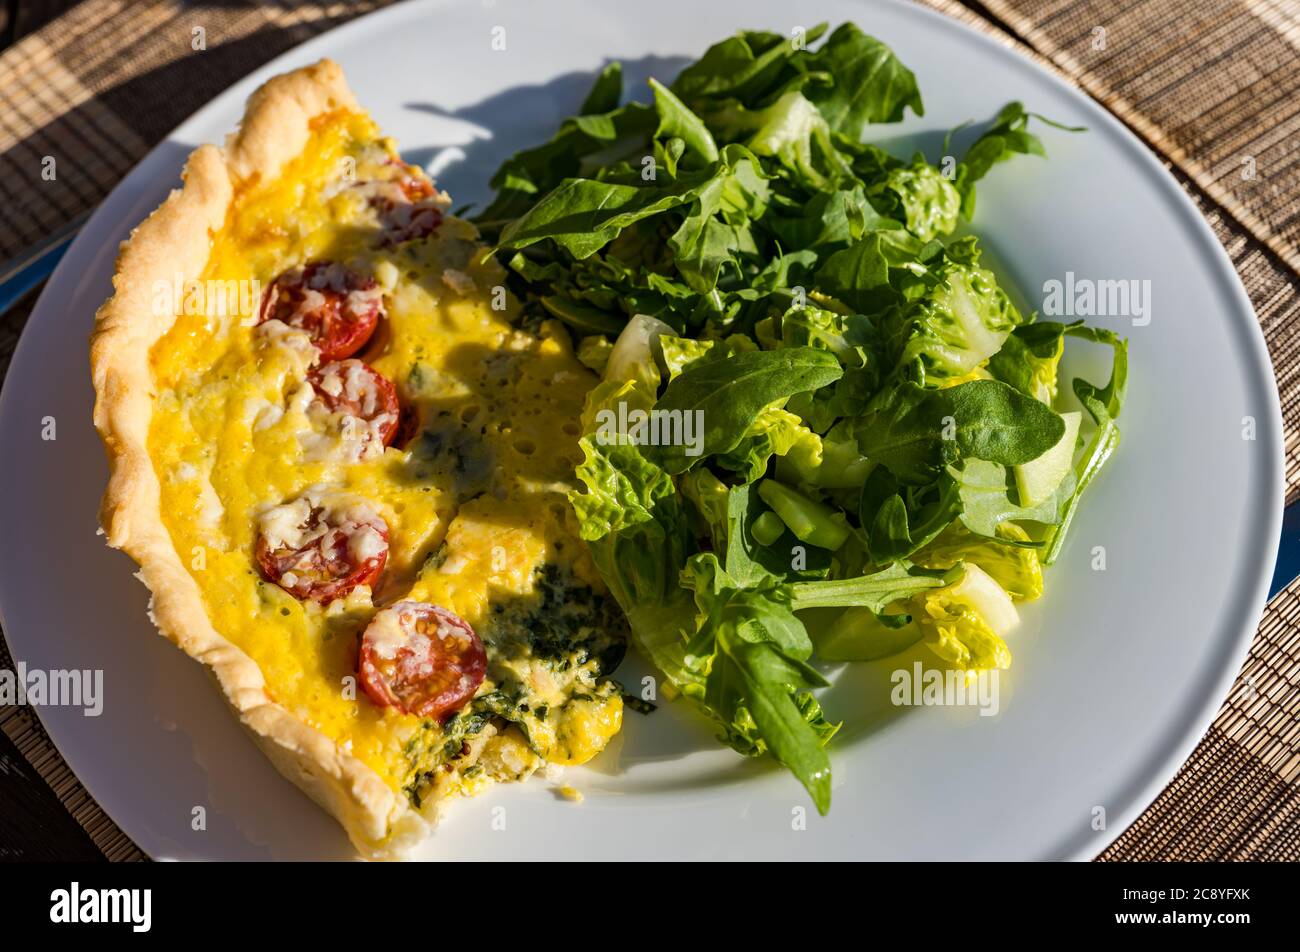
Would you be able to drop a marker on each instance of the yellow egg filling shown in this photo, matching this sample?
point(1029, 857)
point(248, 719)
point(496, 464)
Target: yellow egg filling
point(474, 501)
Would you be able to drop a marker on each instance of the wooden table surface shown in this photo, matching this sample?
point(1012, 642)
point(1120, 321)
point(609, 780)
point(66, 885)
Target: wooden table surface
point(33, 824)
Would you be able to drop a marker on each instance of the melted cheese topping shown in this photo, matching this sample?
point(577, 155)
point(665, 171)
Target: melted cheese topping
point(474, 505)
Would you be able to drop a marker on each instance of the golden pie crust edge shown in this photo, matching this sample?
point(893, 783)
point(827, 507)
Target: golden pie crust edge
point(177, 238)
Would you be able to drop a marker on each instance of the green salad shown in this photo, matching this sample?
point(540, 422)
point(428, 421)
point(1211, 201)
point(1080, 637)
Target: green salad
point(824, 433)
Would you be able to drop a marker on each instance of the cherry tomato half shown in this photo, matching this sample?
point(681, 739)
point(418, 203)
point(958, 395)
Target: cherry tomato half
point(421, 659)
point(319, 553)
point(354, 388)
point(338, 307)
point(409, 211)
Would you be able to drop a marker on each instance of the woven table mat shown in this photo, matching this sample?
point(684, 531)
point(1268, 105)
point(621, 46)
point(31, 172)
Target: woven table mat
point(1214, 91)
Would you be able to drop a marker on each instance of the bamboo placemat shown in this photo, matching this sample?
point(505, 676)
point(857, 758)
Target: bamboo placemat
point(1214, 91)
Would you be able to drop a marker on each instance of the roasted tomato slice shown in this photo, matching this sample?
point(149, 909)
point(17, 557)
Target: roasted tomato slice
point(320, 551)
point(408, 221)
point(421, 659)
point(408, 425)
point(338, 307)
point(408, 206)
point(367, 400)
point(414, 184)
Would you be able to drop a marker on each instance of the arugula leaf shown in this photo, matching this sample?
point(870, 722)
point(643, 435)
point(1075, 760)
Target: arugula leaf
point(898, 582)
point(743, 67)
point(1029, 358)
point(998, 423)
point(727, 395)
point(1040, 345)
point(899, 520)
point(584, 215)
point(581, 317)
point(1111, 396)
point(905, 428)
point(826, 222)
point(715, 228)
point(1103, 405)
point(676, 120)
point(583, 143)
point(732, 512)
point(854, 274)
point(1006, 137)
point(756, 648)
point(917, 432)
point(605, 92)
point(870, 83)
point(771, 684)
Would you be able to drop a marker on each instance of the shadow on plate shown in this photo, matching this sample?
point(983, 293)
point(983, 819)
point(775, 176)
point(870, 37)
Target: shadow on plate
point(518, 118)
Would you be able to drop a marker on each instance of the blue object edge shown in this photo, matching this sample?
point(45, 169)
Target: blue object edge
point(1287, 568)
point(28, 276)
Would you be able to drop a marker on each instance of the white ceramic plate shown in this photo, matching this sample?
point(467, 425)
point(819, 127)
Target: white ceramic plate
point(1117, 672)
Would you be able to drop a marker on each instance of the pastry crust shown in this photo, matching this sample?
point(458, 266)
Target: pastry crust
point(177, 237)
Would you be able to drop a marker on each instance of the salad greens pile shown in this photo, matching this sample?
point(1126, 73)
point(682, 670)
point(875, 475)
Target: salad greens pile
point(878, 460)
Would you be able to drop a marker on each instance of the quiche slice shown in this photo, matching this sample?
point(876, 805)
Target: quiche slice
point(342, 470)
